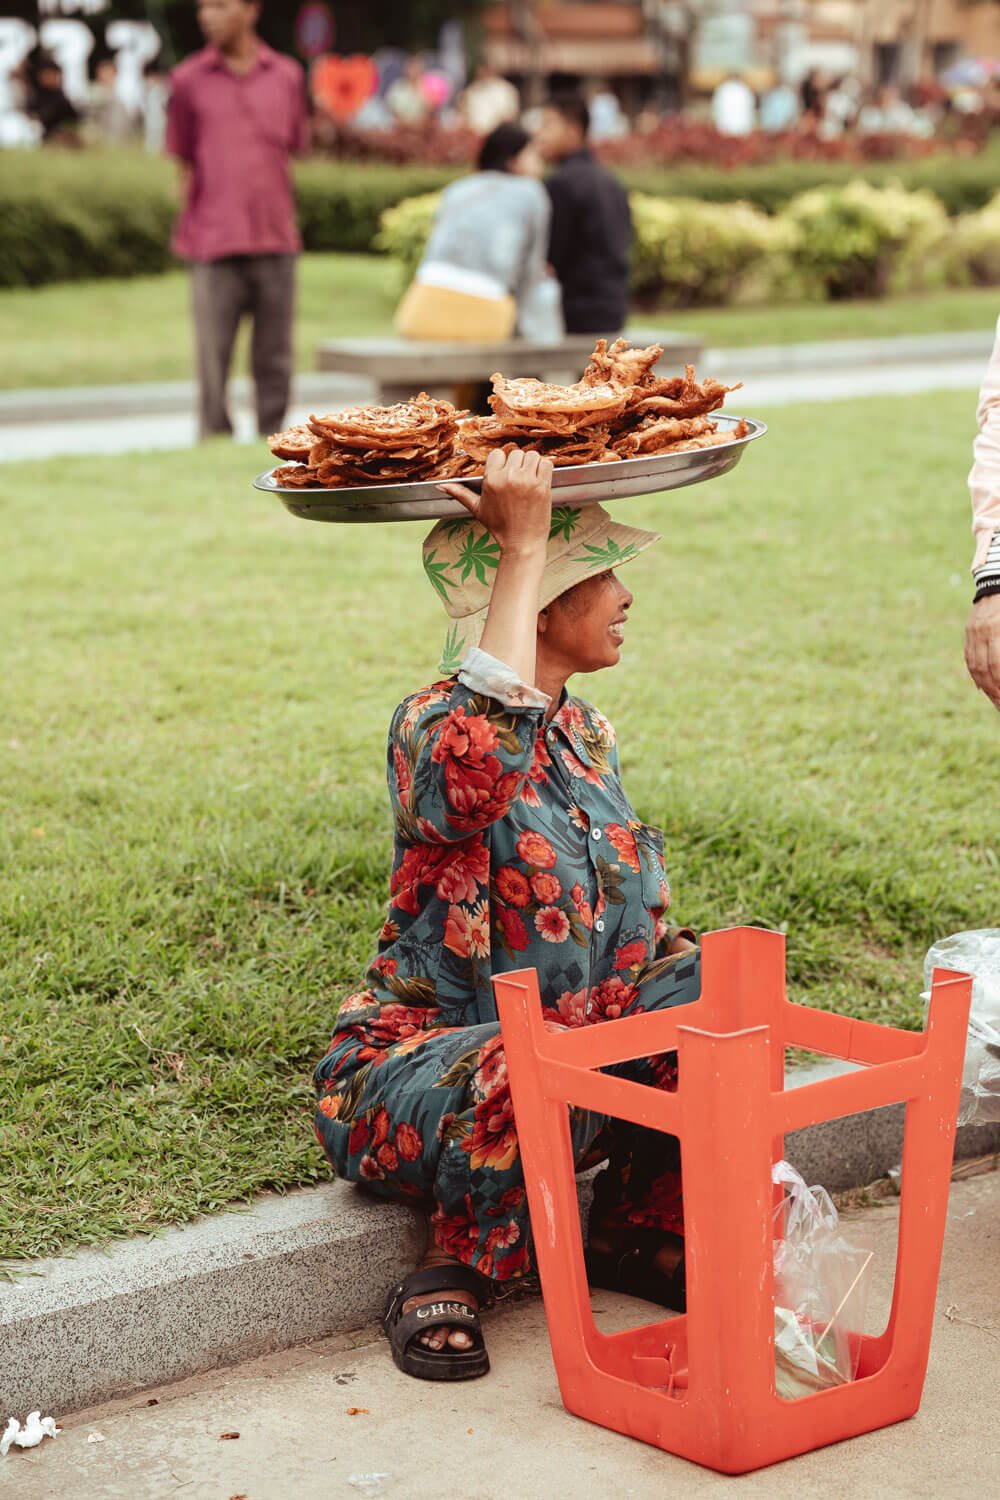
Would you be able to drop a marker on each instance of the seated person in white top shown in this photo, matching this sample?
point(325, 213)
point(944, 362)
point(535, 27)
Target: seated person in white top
point(483, 274)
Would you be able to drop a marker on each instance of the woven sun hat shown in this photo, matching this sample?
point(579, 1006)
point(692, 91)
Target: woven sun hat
point(461, 557)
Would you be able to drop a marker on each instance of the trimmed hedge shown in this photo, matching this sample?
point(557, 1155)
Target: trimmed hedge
point(973, 253)
point(70, 216)
point(834, 242)
point(74, 215)
point(689, 253)
point(961, 183)
point(341, 203)
point(866, 241)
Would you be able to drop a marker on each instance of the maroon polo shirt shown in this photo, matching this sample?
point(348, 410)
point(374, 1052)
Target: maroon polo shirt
point(237, 132)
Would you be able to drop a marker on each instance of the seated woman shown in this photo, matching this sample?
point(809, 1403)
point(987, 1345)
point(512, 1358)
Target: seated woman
point(515, 846)
point(483, 274)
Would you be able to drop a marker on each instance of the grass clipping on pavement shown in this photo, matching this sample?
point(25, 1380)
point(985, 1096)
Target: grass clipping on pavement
point(195, 839)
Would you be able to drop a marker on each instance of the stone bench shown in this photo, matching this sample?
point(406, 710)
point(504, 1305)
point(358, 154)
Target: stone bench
point(399, 367)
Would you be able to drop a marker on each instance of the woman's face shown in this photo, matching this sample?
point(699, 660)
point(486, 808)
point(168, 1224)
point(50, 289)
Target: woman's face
point(584, 628)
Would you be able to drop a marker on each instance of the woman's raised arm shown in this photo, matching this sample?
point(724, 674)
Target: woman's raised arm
point(516, 508)
point(459, 759)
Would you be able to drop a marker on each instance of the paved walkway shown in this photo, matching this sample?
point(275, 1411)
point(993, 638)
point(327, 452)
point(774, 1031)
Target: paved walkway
point(168, 420)
point(507, 1437)
point(116, 419)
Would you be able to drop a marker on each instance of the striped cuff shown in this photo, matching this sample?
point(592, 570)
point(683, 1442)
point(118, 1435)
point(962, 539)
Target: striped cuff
point(987, 576)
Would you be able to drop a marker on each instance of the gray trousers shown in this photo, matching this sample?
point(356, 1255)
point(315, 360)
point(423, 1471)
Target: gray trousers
point(222, 293)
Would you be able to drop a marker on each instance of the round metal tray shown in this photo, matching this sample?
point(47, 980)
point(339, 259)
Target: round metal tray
point(577, 484)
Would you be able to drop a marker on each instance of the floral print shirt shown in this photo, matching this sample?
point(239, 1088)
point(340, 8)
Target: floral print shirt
point(515, 847)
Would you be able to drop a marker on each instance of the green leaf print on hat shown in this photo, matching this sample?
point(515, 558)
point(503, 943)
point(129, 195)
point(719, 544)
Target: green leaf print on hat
point(476, 555)
point(565, 520)
point(435, 572)
point(461, 559)
point(608, 556)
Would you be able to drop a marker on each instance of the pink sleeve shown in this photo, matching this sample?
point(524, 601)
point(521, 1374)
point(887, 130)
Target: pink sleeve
point(180, 124)
point(984, 479)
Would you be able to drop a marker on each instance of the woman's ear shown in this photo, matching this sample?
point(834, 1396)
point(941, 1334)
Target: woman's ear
point(543, 620)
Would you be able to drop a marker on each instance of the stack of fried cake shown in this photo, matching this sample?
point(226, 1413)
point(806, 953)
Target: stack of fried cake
point(662, 413)
point(368, 445)
point(569, 424)
point(618, 409)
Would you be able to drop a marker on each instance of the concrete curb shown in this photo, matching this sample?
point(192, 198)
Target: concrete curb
point(167, 398)
point(79, 404)
point(81, 1329)
point(839, 354)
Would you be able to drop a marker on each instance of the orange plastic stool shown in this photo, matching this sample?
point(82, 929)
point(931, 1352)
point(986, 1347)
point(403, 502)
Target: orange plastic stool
point(703, 1385)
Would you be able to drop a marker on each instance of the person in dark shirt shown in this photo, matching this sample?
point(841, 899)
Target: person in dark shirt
point(49, 105)
point(591, 234)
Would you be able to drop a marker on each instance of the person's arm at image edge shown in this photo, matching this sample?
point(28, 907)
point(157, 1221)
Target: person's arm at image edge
point(436, 797)
point(982, 630)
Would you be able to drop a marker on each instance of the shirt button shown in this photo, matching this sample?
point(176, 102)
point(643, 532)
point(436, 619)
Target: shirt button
point(599, 924)
point(596, 834)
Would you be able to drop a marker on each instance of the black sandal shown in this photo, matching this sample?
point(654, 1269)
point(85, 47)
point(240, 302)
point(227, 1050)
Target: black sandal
point(633, 1270)
point(404, 1329)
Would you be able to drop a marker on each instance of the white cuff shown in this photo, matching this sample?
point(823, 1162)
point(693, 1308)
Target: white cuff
point(987, 543)
point(482, 673)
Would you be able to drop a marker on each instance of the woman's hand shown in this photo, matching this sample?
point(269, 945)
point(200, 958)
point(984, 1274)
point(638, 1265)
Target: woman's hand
point(516, 501)
point(516, 509)
point(680, 944)
point(982, 647)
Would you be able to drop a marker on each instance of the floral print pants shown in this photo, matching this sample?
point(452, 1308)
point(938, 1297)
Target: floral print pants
point(429, 1120)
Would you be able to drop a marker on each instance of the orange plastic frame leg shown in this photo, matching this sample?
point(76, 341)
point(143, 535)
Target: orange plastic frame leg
point(702, 1385)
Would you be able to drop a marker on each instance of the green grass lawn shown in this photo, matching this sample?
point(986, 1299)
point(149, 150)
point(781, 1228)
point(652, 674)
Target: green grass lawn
point(951, 311)
point(194, 836)
point(116, 332)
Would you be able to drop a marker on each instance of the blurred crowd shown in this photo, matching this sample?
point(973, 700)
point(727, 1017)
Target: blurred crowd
point(820, 106)
point(39, 109)
point(366, 102)
point(829, 107)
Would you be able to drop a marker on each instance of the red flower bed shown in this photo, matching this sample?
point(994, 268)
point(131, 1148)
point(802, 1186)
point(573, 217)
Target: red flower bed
point(677, 140)
point(403, 145)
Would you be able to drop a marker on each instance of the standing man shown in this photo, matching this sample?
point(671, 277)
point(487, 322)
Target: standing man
point(237, 112)
point(591, 234)
point(982, 630)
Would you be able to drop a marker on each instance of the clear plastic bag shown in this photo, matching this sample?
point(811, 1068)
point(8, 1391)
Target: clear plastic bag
point(976, 953)
point(821, 1285)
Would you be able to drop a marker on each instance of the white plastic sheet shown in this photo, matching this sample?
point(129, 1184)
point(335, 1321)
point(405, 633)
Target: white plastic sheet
point(976, 953)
